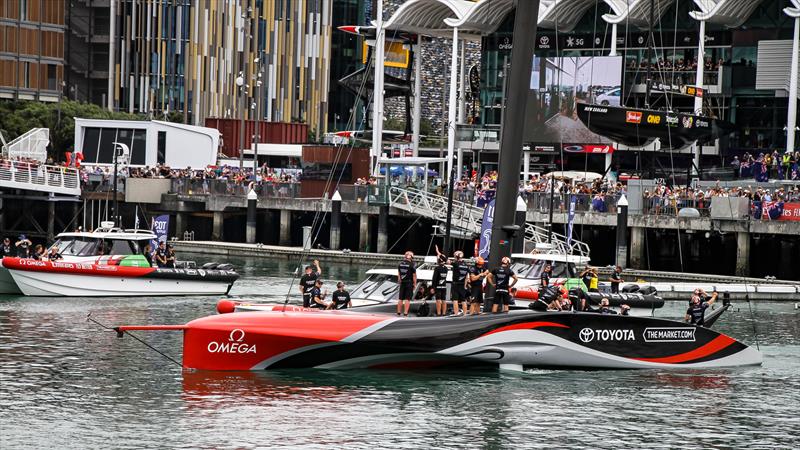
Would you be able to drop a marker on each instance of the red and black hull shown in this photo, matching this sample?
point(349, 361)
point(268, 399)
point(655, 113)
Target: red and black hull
point(340, 339)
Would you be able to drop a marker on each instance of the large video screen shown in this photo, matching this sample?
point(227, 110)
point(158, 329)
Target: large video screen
point(557, 84)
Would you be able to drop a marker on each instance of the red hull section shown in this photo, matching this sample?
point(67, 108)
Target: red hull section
point(32, 265)
point(241, 341)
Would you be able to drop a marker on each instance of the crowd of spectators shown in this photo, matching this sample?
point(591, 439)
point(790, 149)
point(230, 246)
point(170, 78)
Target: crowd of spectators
point(676, 64)
point(768, 166)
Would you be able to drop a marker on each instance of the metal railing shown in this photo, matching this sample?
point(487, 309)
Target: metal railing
point(39, 177)
point(672, 205)
point(599, 203)
point(215, 187)
point(468, 217)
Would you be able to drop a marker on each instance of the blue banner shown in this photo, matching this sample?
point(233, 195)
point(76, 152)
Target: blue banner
point(486, 231)
point(160, 228)
point(570, 219)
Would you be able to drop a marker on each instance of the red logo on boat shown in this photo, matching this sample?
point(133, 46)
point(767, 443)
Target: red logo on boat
point(633, 116)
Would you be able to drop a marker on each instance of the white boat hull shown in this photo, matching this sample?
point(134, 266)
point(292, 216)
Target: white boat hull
point(7, 284)
point(73, 285)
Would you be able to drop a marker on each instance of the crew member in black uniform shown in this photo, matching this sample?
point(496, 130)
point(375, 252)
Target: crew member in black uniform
point(53, 254)
point(458, 289)
point(477, 273)
point(439, 282)
point(544, 278)
point(340, 297)
point(318, 296)
point(161, 254)
point(407, 276)
point(307, 282)
point(616, 279)
point(697, 309)
point(6, 249)
point(501, 278)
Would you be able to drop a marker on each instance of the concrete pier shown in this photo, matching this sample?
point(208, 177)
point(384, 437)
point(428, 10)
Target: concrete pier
point(252, 202)
point(383, 236)
point(217, 233)
point(51, 220)
point(180, 224)
point(363, 233)
point(637, 247)
point(742, 254)
point(285, 227)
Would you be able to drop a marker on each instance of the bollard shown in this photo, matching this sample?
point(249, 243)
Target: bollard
point(336, 220)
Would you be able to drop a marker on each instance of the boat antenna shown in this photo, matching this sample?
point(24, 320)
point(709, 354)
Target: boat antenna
point(753, 320)
point(121, 332)
point(510, 159)
point(650, 44)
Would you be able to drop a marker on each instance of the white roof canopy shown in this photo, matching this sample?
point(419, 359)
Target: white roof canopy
point(731, 13)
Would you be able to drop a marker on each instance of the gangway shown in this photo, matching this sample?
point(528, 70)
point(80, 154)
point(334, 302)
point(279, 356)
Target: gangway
point(39, 177)
point(32, 145)
point(469, 218)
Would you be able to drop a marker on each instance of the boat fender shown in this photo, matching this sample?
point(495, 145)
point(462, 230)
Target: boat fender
point(423, 310)
point(224, 266)
point(209, 266)
point(631, 288)
point(648, 290)
point(226, 306)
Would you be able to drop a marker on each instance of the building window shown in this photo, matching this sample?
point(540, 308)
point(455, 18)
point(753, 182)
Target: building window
point(162, 147)
point(52, 77)
point(26, 75)
point(23, 9)
point(91, 137)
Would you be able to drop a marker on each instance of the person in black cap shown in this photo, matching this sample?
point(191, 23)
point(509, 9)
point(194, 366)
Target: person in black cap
point(340, 297)
point(307, 282)
point(7, 249)
point(318, 296)
point(458, 291)
point(501, 278)
point(407, 277)
point(23, 246)
point(439, 282)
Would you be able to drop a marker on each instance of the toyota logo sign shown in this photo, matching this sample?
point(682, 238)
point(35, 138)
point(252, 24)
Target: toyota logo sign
point(586, 335)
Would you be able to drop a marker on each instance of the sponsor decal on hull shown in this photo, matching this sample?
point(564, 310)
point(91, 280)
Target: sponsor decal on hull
point(235, 344)
point(633, 116)
point(587, 335)
point(669, 334)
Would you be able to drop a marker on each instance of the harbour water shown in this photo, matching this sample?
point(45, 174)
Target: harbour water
point(67, 383)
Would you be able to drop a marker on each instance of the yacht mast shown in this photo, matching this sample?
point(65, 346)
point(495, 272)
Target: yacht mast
point(510, 157)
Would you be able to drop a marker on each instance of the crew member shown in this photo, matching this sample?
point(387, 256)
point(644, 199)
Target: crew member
point(589, 277)
point(547, 273)
point(53, 254)
point(477, 274)
point(458, 290)
point(318, 296)
point(616, 279)
point(340, 297)
point(161, 254)
point(307, 282)
point(39, 253)
point(148, 254)
point(697, 309)
point(501, 278)
point(439, 281)
point(407, 275)
point(170, 257)
point(23, 246)
point(6, 249)
point(605, 307)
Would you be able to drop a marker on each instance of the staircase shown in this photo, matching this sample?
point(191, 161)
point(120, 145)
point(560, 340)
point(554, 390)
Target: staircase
point(468, 217)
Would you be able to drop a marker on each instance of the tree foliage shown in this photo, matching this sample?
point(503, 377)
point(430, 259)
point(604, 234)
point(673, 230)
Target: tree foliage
point(17, 117)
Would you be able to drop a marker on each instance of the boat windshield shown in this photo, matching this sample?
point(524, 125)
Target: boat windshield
point(90, 246)
point(377, 287)
point(535, 268)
